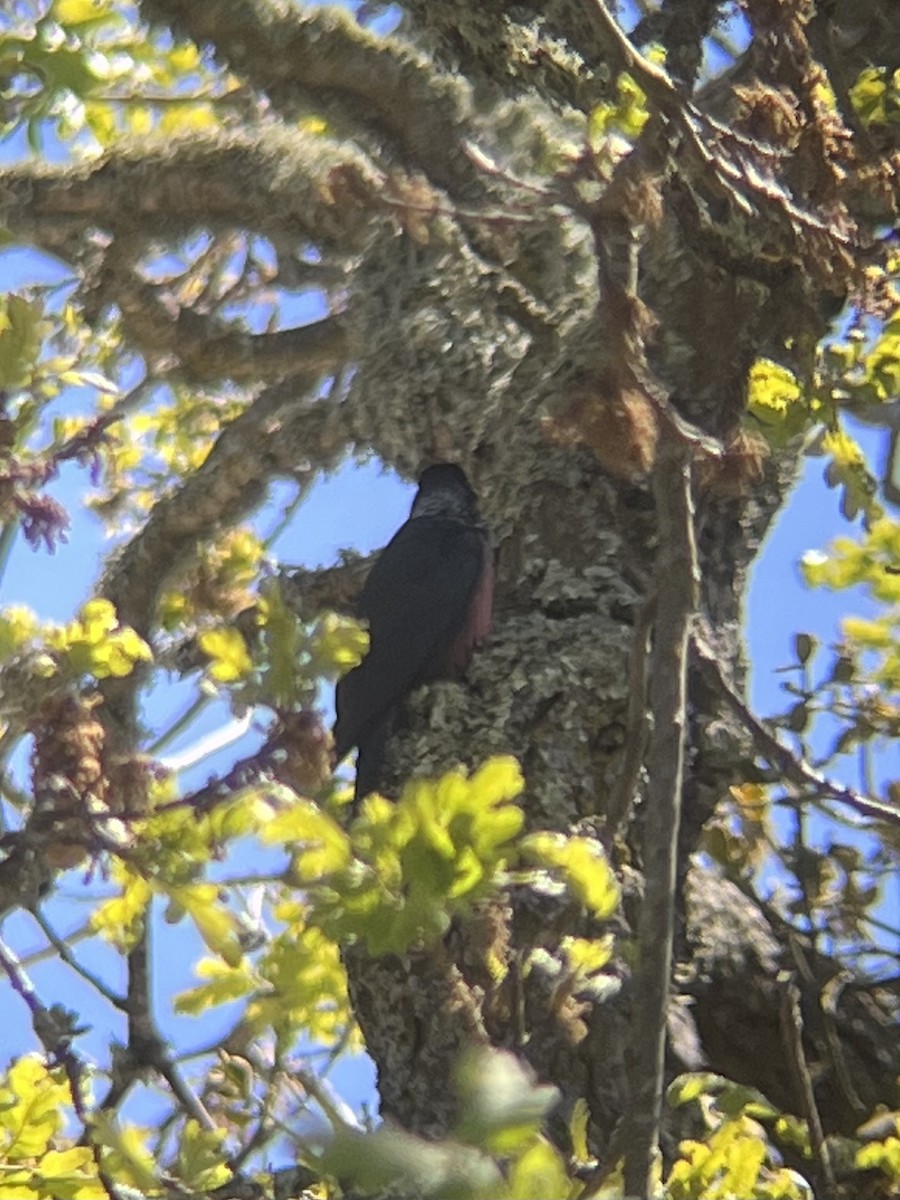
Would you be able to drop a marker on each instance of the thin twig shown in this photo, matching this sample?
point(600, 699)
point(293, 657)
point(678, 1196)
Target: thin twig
point(190, 1103)
point(65, 953)
point(54, 1029)
point(145, 1046)
point(265, 1126)
point(795, 770)
point(9, 791)
point(487, 166)
point(733, 177)
point(792, 1034)
point(259, 1138)
point(8, 532)
point(676, 590)
point(828, 1000)
point(510, 215)
point(178, 726)
point(287, 515)
point(338, 1112)
point(88, 439)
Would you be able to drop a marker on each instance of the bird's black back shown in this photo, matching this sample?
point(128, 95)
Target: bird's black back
point(416, 599)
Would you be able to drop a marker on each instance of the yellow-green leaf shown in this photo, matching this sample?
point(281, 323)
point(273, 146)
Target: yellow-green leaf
point(539, 1173)
point(31, 1103)
point(583, 865)
point(338, 644)
point(202, 1158)
point(77, 12)
point(228, 652)
point(66, 1175)
point(321, 845)
point(223, 985)
point(216, 924)
point(18, 625)
point(121, 918)
point(21, 328)
point(126, 1155)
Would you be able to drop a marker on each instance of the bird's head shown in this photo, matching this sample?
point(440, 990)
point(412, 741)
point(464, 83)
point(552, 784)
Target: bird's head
point(444, 491)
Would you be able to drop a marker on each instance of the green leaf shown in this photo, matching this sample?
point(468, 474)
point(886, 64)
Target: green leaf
point(776, 400)
point(224, 985)
point(502, 1107)
point(881, 1156)
point(22, 329)
point(216, 924)
point(79, 12)
point(121, 918)
point(876, 96)
point(338, 644)
point(539, 1173)
point(629, 113)
point(320, 845)
point(804, 647)
point(848, 470)
point(303, 988)
point(202, 1158)
point(282, 637)
point(583, 866)
point(126, 1156)
point(882, 363)
point(96, 644)
point(689, 1087)
point(227, 650)
point(18, 627)
point(410, 865)
point(67, 1175)
point(390, 1159)
point(31, 1100)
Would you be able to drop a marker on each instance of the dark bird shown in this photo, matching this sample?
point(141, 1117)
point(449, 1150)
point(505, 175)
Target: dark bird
point(428, 601)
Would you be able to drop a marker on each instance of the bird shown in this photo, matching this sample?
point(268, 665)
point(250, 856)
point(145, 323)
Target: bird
point(428, 601)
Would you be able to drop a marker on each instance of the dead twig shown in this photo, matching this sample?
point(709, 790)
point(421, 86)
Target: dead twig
point(676, 593)
point(792, 1035)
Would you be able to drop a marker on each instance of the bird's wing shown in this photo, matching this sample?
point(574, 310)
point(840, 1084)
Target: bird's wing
point(416, 599)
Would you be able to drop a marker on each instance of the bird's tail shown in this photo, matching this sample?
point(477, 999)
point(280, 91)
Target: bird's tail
point(370, 760)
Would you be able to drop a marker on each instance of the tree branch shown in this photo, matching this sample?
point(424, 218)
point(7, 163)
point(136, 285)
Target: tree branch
point(311, 591)
point(66, 955)
point(146, 1049)
point(796, 770)
point(297, 754)
point(272, 436)
point(546, 48)
point(324, 59)
point(210, 349)
point(279, 433)
point(792, 1036)
point(307, 591)
point(277, 181)
point(55, 1029)
point(676, 593)
point(681, 26)
point(637, 721)
point(754, 191)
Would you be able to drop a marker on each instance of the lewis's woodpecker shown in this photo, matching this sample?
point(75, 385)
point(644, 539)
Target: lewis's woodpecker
point(428, 602)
